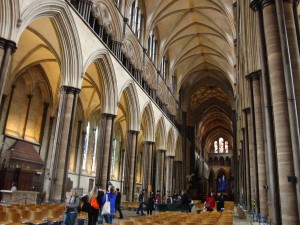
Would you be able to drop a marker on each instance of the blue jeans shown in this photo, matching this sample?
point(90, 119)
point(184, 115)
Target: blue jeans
point(108, 218)
point(100, 217)
point(140, 208)
point(70, 218)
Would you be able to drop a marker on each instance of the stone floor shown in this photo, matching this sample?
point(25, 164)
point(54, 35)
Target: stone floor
point(240, 217)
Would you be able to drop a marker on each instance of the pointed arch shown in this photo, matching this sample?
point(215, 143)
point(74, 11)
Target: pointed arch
point(59, 11)
point(9, 22)
point(170, 143)
point(161, 134)
point(115, 19)
point(133, 105)
point(147, 111)
point(109, 82)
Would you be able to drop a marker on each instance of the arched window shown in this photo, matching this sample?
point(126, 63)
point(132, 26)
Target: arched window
point(94, 152)
point(216, 147)
point(85, 147)
point(131, 15)
point(136, 19)
point(152, 46)
point(221, 146)
point(226, 146)
point(164, 68)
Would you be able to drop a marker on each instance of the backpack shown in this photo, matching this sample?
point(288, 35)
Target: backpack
point(95, 204)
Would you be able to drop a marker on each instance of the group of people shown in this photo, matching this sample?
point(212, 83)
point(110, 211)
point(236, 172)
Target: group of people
point(98, 204)
point(211, 201)
point(150, 204)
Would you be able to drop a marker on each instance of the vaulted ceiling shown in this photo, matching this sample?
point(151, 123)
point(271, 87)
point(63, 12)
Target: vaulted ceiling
point(198, 37)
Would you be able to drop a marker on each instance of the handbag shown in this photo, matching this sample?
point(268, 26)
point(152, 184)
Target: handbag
point(207, 204)
point(94, 203)
point(106, 207)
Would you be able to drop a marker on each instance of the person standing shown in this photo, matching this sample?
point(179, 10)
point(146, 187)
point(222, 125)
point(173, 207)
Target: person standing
point(72, 203)
point(220, 202)
point(141, 201)
point(118, 203)
point(150, 204)
point(185, 202)
point(99, 198)
point(94, 209)
point(109, 197)
point(14, 186)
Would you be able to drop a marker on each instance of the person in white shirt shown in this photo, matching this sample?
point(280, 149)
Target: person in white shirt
point(14, 186)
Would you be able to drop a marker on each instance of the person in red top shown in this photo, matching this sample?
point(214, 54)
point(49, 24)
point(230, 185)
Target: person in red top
point(210, 202)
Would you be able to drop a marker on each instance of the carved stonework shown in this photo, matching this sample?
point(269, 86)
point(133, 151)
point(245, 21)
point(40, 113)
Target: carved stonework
point(128, 50)
point(171, 105)
point(102, 14)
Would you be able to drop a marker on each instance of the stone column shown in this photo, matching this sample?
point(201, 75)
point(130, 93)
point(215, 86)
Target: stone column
point(160, 160)
point(104, 149)
point(252, 77)
point(271, 169)
point(258, 142)
point(171, 175)
point(148, 166)
point(7, 48)
point(62, 142)
point(234, 165)
point(291, 66)
point(168, 175)
point(283, 143)
point(247, 159)
point(130, 161)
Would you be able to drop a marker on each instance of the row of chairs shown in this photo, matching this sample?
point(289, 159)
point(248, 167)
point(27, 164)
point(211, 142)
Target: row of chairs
point(33, 214)
point(180, 218)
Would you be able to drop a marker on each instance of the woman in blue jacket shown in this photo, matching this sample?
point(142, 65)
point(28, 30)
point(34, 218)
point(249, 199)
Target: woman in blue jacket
point(110, 197)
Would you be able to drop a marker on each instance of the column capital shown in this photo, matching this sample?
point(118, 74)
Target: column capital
point(161, 150)
point(170, 156)
point(295, 2)
point(133, 131)
point(69, 89)
point(108, 115)
point(246, 110)
point(4, 43)
point(256, 5)
point(254, 75)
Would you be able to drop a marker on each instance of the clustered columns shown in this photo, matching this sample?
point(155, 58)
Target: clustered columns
point(106, 125)
point(169, 175)
point(277, 34)
point(160, 165)
point(258, 143)
point(7, 48)
point(148, 166)
point(130, 164)
point(62, 146)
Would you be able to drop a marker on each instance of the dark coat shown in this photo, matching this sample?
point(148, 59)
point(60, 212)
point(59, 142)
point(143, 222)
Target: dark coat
point(151, 203)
